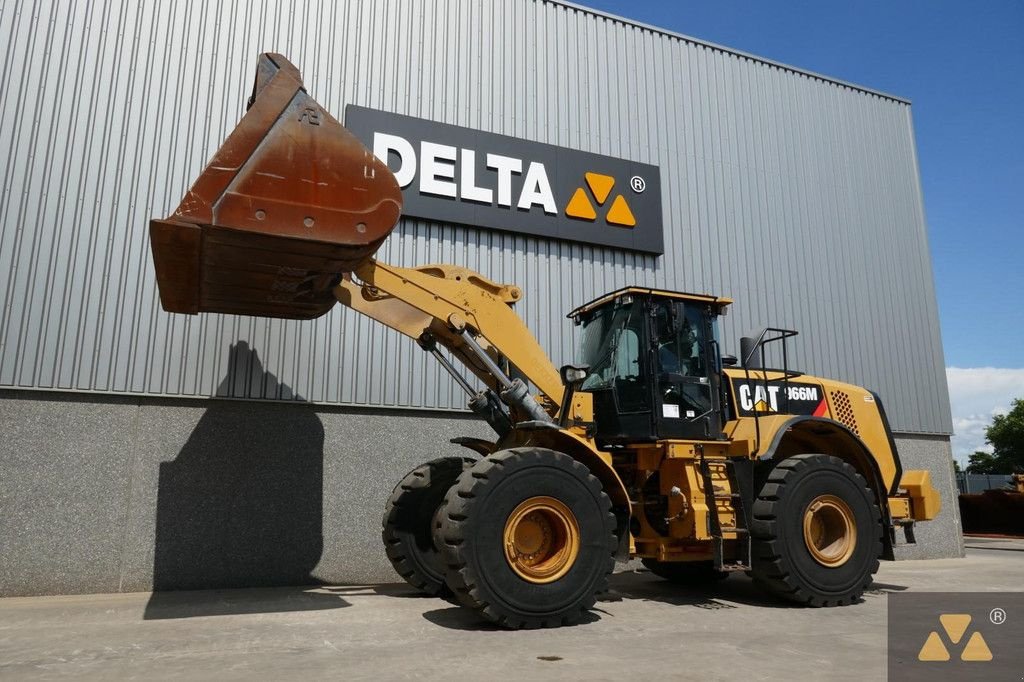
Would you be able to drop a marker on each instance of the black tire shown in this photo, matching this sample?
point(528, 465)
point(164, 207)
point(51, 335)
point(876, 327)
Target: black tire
point(471, 537)
point(783, 563)
point(408, 522)
point(685, 572)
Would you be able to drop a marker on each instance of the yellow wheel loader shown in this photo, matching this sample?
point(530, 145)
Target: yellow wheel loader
point(655, 446)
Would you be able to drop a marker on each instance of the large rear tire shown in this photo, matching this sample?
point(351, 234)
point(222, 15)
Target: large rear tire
point(817, 532)
point(528, 538)
point(408, 522)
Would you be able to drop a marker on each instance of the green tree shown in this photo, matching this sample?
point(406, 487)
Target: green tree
point(983, 463)
point(1006, 436)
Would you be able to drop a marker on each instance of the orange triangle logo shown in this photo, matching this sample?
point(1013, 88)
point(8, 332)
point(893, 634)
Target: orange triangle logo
point(580, 206)
point(955, 625)
point(600, 185)
point(933, 649)
point(619, 213)
point(976, 649)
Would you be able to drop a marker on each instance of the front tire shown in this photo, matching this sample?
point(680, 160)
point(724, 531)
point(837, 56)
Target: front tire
point(408, 522)
point(817, 532)
point(528, 537)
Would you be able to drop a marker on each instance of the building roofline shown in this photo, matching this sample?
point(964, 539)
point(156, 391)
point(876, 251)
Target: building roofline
point(722, 48)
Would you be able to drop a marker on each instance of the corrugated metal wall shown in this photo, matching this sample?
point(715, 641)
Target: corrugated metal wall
point(797, 196)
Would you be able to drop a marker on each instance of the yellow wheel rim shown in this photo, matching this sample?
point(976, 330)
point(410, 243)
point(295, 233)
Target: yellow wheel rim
point(542, 540)
point(830, 531)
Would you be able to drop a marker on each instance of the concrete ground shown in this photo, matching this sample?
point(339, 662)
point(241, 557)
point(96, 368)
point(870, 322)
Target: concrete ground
point(656, 630)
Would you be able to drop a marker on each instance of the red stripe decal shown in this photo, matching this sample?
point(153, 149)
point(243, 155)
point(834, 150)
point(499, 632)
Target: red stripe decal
point(820, 410)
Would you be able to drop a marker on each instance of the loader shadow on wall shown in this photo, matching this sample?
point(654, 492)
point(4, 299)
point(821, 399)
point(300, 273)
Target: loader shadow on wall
point(241, 505)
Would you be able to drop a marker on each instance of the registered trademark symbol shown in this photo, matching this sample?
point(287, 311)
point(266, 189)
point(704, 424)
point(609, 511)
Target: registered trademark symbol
point(637, 183)
point(997, 616)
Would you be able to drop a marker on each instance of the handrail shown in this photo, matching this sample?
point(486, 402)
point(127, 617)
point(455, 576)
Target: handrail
point(759, 345)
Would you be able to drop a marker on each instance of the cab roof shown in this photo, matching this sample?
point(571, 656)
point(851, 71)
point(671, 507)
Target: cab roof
point(644, 291)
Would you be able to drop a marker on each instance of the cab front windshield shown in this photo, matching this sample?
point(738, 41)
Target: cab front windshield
point(607, 346)
point(611, 347)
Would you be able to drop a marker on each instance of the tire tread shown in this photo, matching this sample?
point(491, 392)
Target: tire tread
point(394, 546)
point(460, 576)
point(772, 570)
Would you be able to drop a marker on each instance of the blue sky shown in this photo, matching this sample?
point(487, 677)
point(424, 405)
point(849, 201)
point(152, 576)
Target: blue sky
point(962, 66)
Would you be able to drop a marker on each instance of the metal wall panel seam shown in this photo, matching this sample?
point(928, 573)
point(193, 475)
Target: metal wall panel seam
point(17, 233)
point(943, 417)
point(24, 213)
point(46, 200)
point(886, 217)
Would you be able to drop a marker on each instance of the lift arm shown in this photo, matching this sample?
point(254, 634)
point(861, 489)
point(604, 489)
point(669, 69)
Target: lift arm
point(471, 317)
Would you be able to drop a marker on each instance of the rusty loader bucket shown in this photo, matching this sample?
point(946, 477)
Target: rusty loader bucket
point(289, 203)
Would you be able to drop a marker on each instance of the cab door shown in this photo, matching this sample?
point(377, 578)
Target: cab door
point(685, 371)
point(614, 345)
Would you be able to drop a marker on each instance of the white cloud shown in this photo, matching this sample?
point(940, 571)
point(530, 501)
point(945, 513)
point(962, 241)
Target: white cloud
point(976, 395)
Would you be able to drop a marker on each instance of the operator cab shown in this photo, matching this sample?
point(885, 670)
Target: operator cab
point(654, 365)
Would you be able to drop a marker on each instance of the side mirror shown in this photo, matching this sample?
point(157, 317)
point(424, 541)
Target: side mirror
point(574, 375)
point(749, 352)
point(729, 360)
